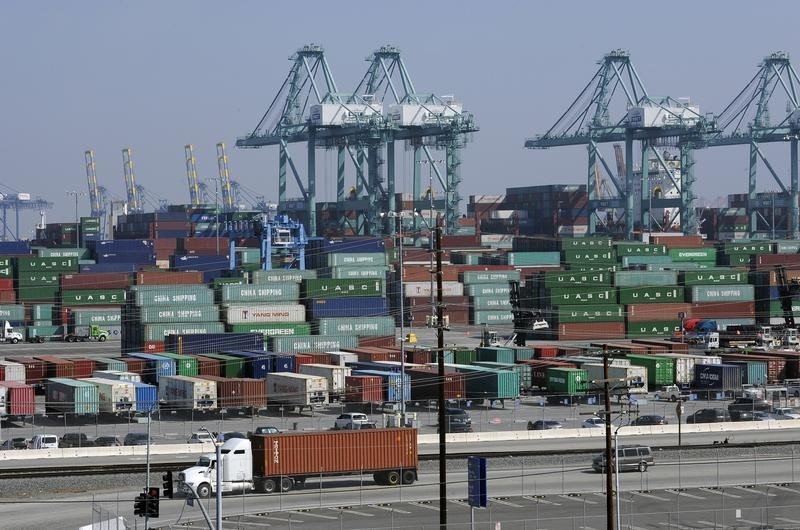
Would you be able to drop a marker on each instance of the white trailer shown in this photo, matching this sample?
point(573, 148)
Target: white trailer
point(334, 374)
point(342, 357)
point(624, 379)
point(114, 396)
point(13, 371)
point(684, 365)
point(300, 390)
point(131, 377)
point(184, 392)
point(3, 400)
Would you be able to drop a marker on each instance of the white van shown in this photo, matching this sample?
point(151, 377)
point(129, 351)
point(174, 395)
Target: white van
point(44, 441)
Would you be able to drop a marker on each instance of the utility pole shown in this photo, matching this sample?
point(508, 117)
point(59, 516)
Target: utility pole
point(442, 416)
point(77, 194)
point(609, 461)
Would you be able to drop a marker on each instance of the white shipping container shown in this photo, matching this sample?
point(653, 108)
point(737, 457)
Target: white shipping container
point(3, 399)
point(416, 115)
point(263, 314)
point(342, 357)
point(684, 364)
point(131, 377)
point(300, 390)
point(634, 375)
point(13, 371)
point(334, 374)
point(183, 392)
point(423, 289)
point(656, 116)
point(327, 114)
point(114, 396)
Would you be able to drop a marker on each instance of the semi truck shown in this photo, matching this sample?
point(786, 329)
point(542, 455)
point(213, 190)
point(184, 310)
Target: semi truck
point(72, 334)
point(9, 335)
point(279, 462)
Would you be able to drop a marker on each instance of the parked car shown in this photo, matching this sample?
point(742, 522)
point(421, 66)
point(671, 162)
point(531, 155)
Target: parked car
point(785, 413)
point(137, 438)
point(106, 441)
point(350, 420)
point(200, 437)
point(75, 439)
point(709, 416)
point(542, 425)
point(44, 441)
point(637, 457)
point(751, 404)
point(233, 434)
point(742, 415)
point(593, 423)
point(14, 443)
point(458, 420)
point(762, 416)
point(268, 429)
point(650, 419)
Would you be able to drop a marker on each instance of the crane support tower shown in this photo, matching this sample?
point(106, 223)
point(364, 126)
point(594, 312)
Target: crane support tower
point(98, 195)
point(191, 175)
point(131, 189)
point(228, 200)
point(279, 237)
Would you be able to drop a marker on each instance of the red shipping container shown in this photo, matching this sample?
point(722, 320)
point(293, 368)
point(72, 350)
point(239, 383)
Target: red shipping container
point(8, 297)
point(544, 351)
point(469, 268)
point(380, 342)
point(204, 244)
point(35, 369)
point(625, 347)
point(154, 346)
point(678, 241)
point(318, 358)
point(650, 312)
point(208, 366)
point(165, 243)
point(20, 399)
point(724, 310)
point(96, 280)
point(776, 366)
point(672, 347)
point(168, 278)
point(419, 356)
point(82, 367)
point(301, 358)
point(472, 241)
point(57, 367)
point(239, 393)
point(566, 351)
point(425, 384)
point(137, 366)
point(363, 389)
point(591, 330)
point(770, 260)
point(6, 284)
point(422, 273)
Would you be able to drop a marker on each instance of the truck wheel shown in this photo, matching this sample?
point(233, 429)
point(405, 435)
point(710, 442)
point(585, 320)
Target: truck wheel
point(642, 467)
point(268, 485)
point(101, 338)
point(40, 340)
point(203, 490)
point(286, 484)
point(392, 478)
point(673, 398)
point(409, 476)
point(379, 477)
point(14, 340)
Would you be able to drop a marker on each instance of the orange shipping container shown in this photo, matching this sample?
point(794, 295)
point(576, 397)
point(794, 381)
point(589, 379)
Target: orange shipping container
point(334, 452)
point(239, 392)
point(168, 278)
point(363, 388)
point(651, 312)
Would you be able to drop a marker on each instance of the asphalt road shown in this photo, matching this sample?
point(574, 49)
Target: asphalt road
point(692, 493)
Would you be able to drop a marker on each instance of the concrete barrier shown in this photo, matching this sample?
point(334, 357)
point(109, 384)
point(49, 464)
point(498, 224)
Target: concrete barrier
point(89, 452)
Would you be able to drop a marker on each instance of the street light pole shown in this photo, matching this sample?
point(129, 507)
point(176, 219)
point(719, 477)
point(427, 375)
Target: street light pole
point(399, 220)
point(77, 194)
point(218, 488)
point(616, 476)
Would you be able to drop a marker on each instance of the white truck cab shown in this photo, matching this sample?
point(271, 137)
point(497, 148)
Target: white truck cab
point(712, 341)
point(9, 335)
point(237, 470)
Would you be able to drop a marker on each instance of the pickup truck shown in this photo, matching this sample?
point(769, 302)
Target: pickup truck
point(353, 420)
point(671, 393)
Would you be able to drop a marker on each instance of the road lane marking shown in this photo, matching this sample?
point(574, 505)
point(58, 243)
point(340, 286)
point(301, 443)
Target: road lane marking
point(649, 496)
point(507, 503)
point(540, 501)
point(348, 510)
point(388, 508)
point(459, 502)
point(753, 490)
point(756, 524)
point(281, 519)
point(329, 517)
point(723, 493)
point(786, 520)
point(784, 488)
point(422, 505)
point(684, 494)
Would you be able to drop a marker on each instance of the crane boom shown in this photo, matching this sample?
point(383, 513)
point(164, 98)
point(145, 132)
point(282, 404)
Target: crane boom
point(224, 178)
point(191, 175)
point(130, 181)
point(91, 177)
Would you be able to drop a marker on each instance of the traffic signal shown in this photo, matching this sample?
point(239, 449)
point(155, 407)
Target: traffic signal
point(139, 505)
point(152, 502)
point(167, 485)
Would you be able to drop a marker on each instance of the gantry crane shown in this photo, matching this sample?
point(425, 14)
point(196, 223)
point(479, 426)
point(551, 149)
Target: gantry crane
point(747, 121)
point(17, 201)
point(98, 195)
point(229, 203)
point(131, 189)
point(191, 175)
point(652, 122)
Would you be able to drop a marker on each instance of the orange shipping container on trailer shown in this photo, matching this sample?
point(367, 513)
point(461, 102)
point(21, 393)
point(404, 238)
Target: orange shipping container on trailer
point(333, 452)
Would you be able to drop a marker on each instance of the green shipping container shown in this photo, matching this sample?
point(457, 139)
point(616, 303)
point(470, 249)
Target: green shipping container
point(492, 317)
point(583, 296)
point(488, 289)
point(6, 272)
point(503, 277)
point(276, 329)
point(585, 242)
point(157, 314)
point(157, 332)
point(495, 354)
point(487, 383)
point(577, 267)
point(660, 369)
point(77, 253)
point(533, 259)
point(787, 247)
point(590, 256)
point(645, 278)
point(184, 364)
point(216, 283)
point(281, 275)
point(174, 295)
point(735, 260)
point(660, 328)
point(569, 381)
point(111, 317)
point(12, 312)
point(490, 303)
point(6, 261)
point(263, 292)
point(230, 366)
point(42, 311)
point(713, 277)
point(312, 343)
point(47, 264)
point(360, 327)
point(43, 293)
point(570, 278)
point(630, 261)
point(107, 363)
point(93, 297)
point(25, 279)
point(521, 353)
point(640, 249)
point(357, 259)
point(752, 247)
point(336, 288)
point(588, 313)
point(650, 295)
point(71, 396)
point(727, 293)
point(463, 356)
point(523, 370)
point(358, 272)
point(693, 254)
point(56, 332)
point(776, 310)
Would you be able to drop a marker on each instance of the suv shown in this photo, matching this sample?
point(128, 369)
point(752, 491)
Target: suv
point(106, 441)
point(638, 457)
point(544, 425)
point(709, 416)
point(137, 438)
point(751, 404)
point(200, 437)
point(44, 441)
point(268, 429)
point(649, 419)
point(75, 439)
point(350, 421)
point(458, 420)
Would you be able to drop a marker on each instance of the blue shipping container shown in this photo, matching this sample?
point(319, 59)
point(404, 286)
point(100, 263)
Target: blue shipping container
point(122, 245)
point(349, 306)
point(354, 245)
point(157, 366)
point(14, 247)
point(280, 362)
point(391, 384)
point(108, 267)
point(146, 397)
point(257, 364)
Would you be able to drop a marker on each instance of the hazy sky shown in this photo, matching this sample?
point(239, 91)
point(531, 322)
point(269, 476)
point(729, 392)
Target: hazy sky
point(157, 75)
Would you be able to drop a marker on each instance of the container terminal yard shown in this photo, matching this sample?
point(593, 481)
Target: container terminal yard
point(315, 360)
